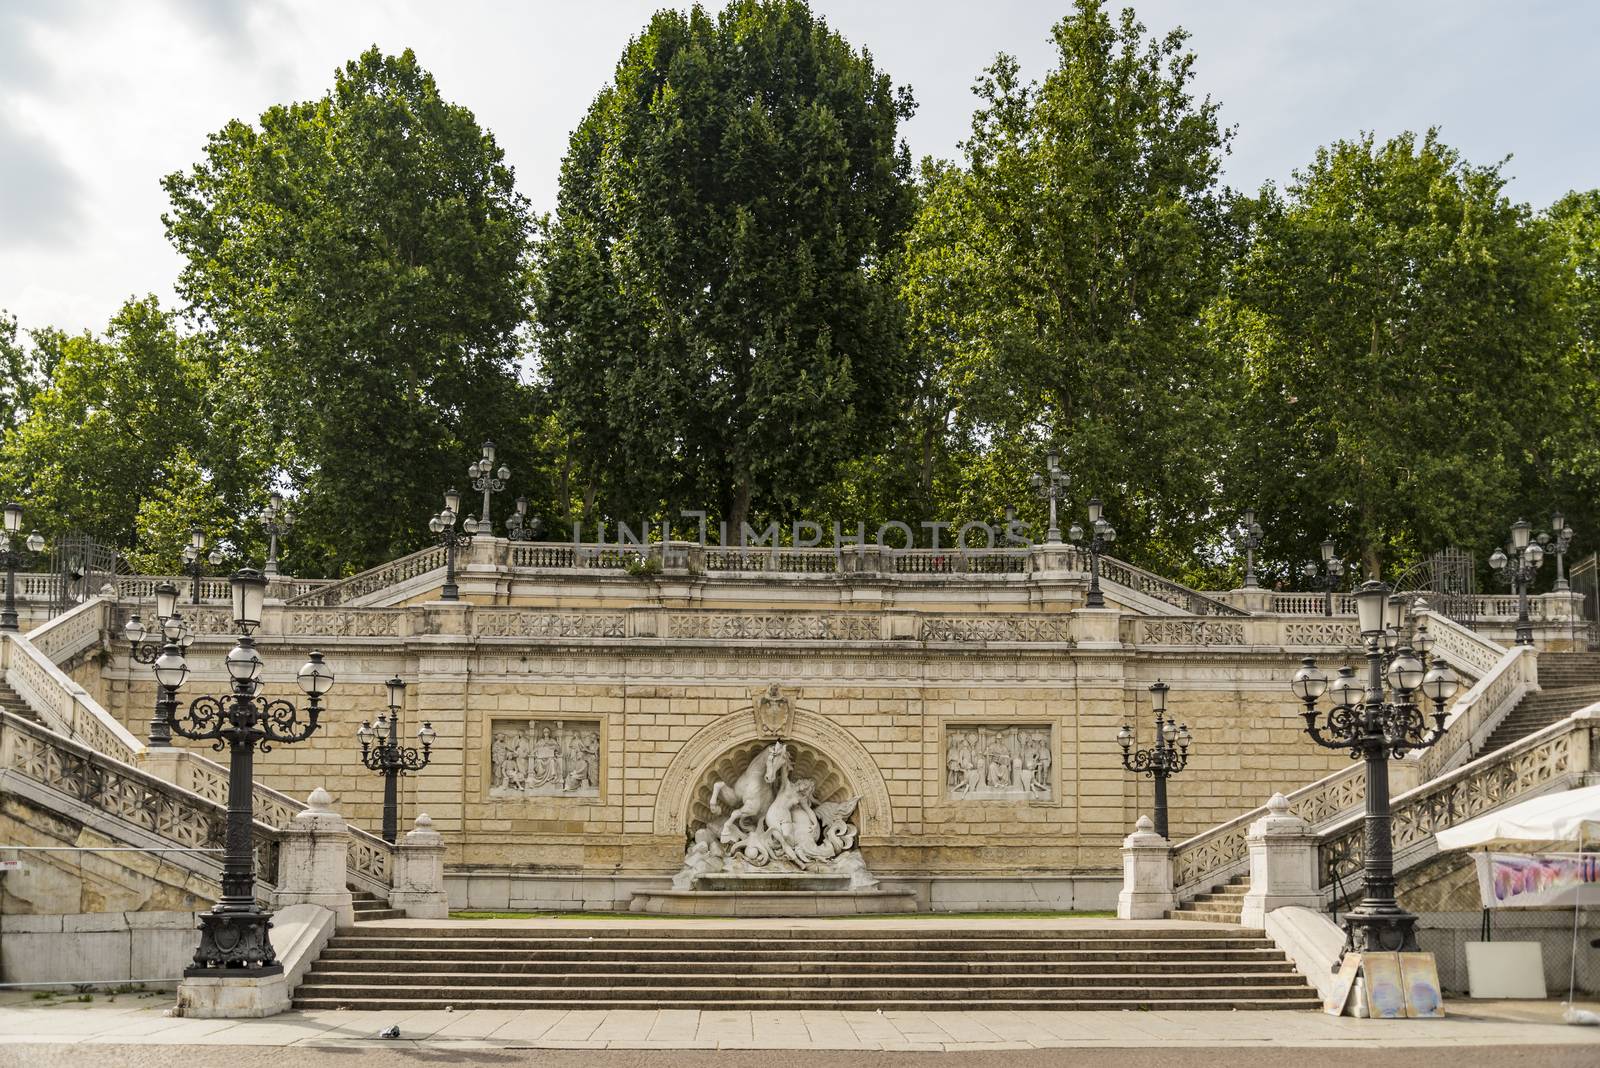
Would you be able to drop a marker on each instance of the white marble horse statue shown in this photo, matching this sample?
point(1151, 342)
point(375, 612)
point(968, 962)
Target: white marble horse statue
point(752, 793)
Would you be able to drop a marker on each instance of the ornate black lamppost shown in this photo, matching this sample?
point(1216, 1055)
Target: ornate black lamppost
point(191, 561)
point(485, 478)
point(144, 652)
point(13, 559)
point(444, 525)
point(519, 527)
point(1250, 535)
point(382, 752)
point(1559, 543)
point(277, 520)
point(1517, 569)
point(1048, 486)
point(1164, 759)
point(233, 935)
point(1331, 575)
point(1374, 726)
point(1102, 534)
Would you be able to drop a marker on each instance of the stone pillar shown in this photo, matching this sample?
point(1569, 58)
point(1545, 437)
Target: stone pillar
point(311, 863)
point(418, 882)
point(1147, 891)
point(1283, 864)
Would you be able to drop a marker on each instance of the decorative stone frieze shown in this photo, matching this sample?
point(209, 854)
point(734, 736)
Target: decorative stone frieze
point(1009, 762)
point(545, 758)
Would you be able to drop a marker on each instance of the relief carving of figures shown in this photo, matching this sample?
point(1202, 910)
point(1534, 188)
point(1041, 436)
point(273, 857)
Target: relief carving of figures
point(767, 820)
point(998, 762)
point(544, 758)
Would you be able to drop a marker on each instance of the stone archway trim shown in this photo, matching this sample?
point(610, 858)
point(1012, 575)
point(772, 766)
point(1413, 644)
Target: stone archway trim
point(875, 816)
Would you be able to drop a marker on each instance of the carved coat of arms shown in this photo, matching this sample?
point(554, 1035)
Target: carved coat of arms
point(774, 709)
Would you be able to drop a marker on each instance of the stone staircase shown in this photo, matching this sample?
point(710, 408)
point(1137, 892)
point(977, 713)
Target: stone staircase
point(1567, 682)
point(370, 907)
point(11, 701)
point(654, 966)
point(1222, 904)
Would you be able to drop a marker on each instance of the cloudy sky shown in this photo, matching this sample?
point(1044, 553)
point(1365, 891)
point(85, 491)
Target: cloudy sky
point(99, 99)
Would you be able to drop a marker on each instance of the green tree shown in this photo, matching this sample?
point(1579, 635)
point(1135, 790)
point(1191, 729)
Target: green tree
point(1398, 321)
point(186, 497)
point(359, 264)
point(1056, 282)
point(104, 430)
point(26, 365)
point(1572, 449)
point(716, 314)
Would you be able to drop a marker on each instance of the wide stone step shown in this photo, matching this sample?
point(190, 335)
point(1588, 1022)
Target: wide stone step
point(1107, 965)
point(1195, 938)
point(678, 994)
point(660, 931)
point(1213, 1000)
point(687, 986)
point(1052, 958)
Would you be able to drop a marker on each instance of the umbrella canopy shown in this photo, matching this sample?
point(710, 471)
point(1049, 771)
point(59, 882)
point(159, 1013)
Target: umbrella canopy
point(1567, 816)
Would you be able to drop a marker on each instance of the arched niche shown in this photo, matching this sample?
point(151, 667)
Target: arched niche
point(823, 751)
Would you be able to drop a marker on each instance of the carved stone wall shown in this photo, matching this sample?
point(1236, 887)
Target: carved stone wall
point(545, 758)
point(999, 761)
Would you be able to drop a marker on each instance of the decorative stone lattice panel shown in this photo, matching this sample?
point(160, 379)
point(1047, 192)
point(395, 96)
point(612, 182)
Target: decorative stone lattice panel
point(1009, 762)
point(1189, 632)
point(545, 758)
point(1323, 633)
point(524, 624)
point(1014, 628)
point(832, 626)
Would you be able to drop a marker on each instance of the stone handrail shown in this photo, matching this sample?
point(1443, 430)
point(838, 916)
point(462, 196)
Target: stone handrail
point(1555, 758)
point(1311, 604)
point(62, 704)
point(70, 633)
point(35, 585)
point(1469, 652)
point(70, 769)
point(1152, 585)
point(375, 579)
point(1476, 713)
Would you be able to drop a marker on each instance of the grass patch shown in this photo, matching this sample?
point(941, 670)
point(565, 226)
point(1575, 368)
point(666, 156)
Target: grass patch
point(479, 915)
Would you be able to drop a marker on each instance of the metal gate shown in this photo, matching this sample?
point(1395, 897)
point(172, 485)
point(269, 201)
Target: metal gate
point(1584, 577)
point(80, 566)
point(1449, 580)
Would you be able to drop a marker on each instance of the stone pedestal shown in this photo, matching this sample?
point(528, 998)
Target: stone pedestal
point(164, 762)
point(1097, 628)
point(1283, 864)
point(419, 873)
point(233, 997)
point(311, 864)
point(1147, 892)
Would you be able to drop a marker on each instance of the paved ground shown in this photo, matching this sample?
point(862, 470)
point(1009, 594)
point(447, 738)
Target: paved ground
point(112, 1032)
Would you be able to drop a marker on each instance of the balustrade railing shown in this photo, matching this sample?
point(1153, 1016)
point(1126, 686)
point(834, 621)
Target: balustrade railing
point(61, 704)
point(1192, 602)
point(372, 581)
point(1554, 758)
point(70, 633)
point(168, 812)
point(1312, 604)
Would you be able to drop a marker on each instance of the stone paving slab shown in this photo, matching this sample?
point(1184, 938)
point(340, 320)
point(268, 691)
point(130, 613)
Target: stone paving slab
point(143, 1022)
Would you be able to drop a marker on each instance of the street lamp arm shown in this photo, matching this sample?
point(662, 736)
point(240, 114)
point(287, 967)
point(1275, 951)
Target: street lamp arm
point(207, 721)
point(280, 721)
point(1147, 761)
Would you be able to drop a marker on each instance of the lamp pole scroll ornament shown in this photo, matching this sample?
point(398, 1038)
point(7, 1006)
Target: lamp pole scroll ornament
point(1166, 758)
point(1375, 724)
point(382, 752)
point(444, 526)
point(1101, 535)
point(485, 478)
point(233, 934)
point(520, 527)
point(13, 560)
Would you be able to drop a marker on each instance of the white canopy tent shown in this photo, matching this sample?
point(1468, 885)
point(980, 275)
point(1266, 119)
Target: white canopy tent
point(1554, 819)
point(1558, 819)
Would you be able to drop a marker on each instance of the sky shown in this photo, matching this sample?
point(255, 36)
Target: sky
point(100, 98)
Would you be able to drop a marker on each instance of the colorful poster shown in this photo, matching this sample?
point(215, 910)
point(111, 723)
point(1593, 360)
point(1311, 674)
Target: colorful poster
point(1419, 972)
point(1524, 880)
point(1386, 991)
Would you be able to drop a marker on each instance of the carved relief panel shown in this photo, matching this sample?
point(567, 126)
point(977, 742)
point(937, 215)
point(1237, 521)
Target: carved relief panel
point(544, 758)
point(1010, 762)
